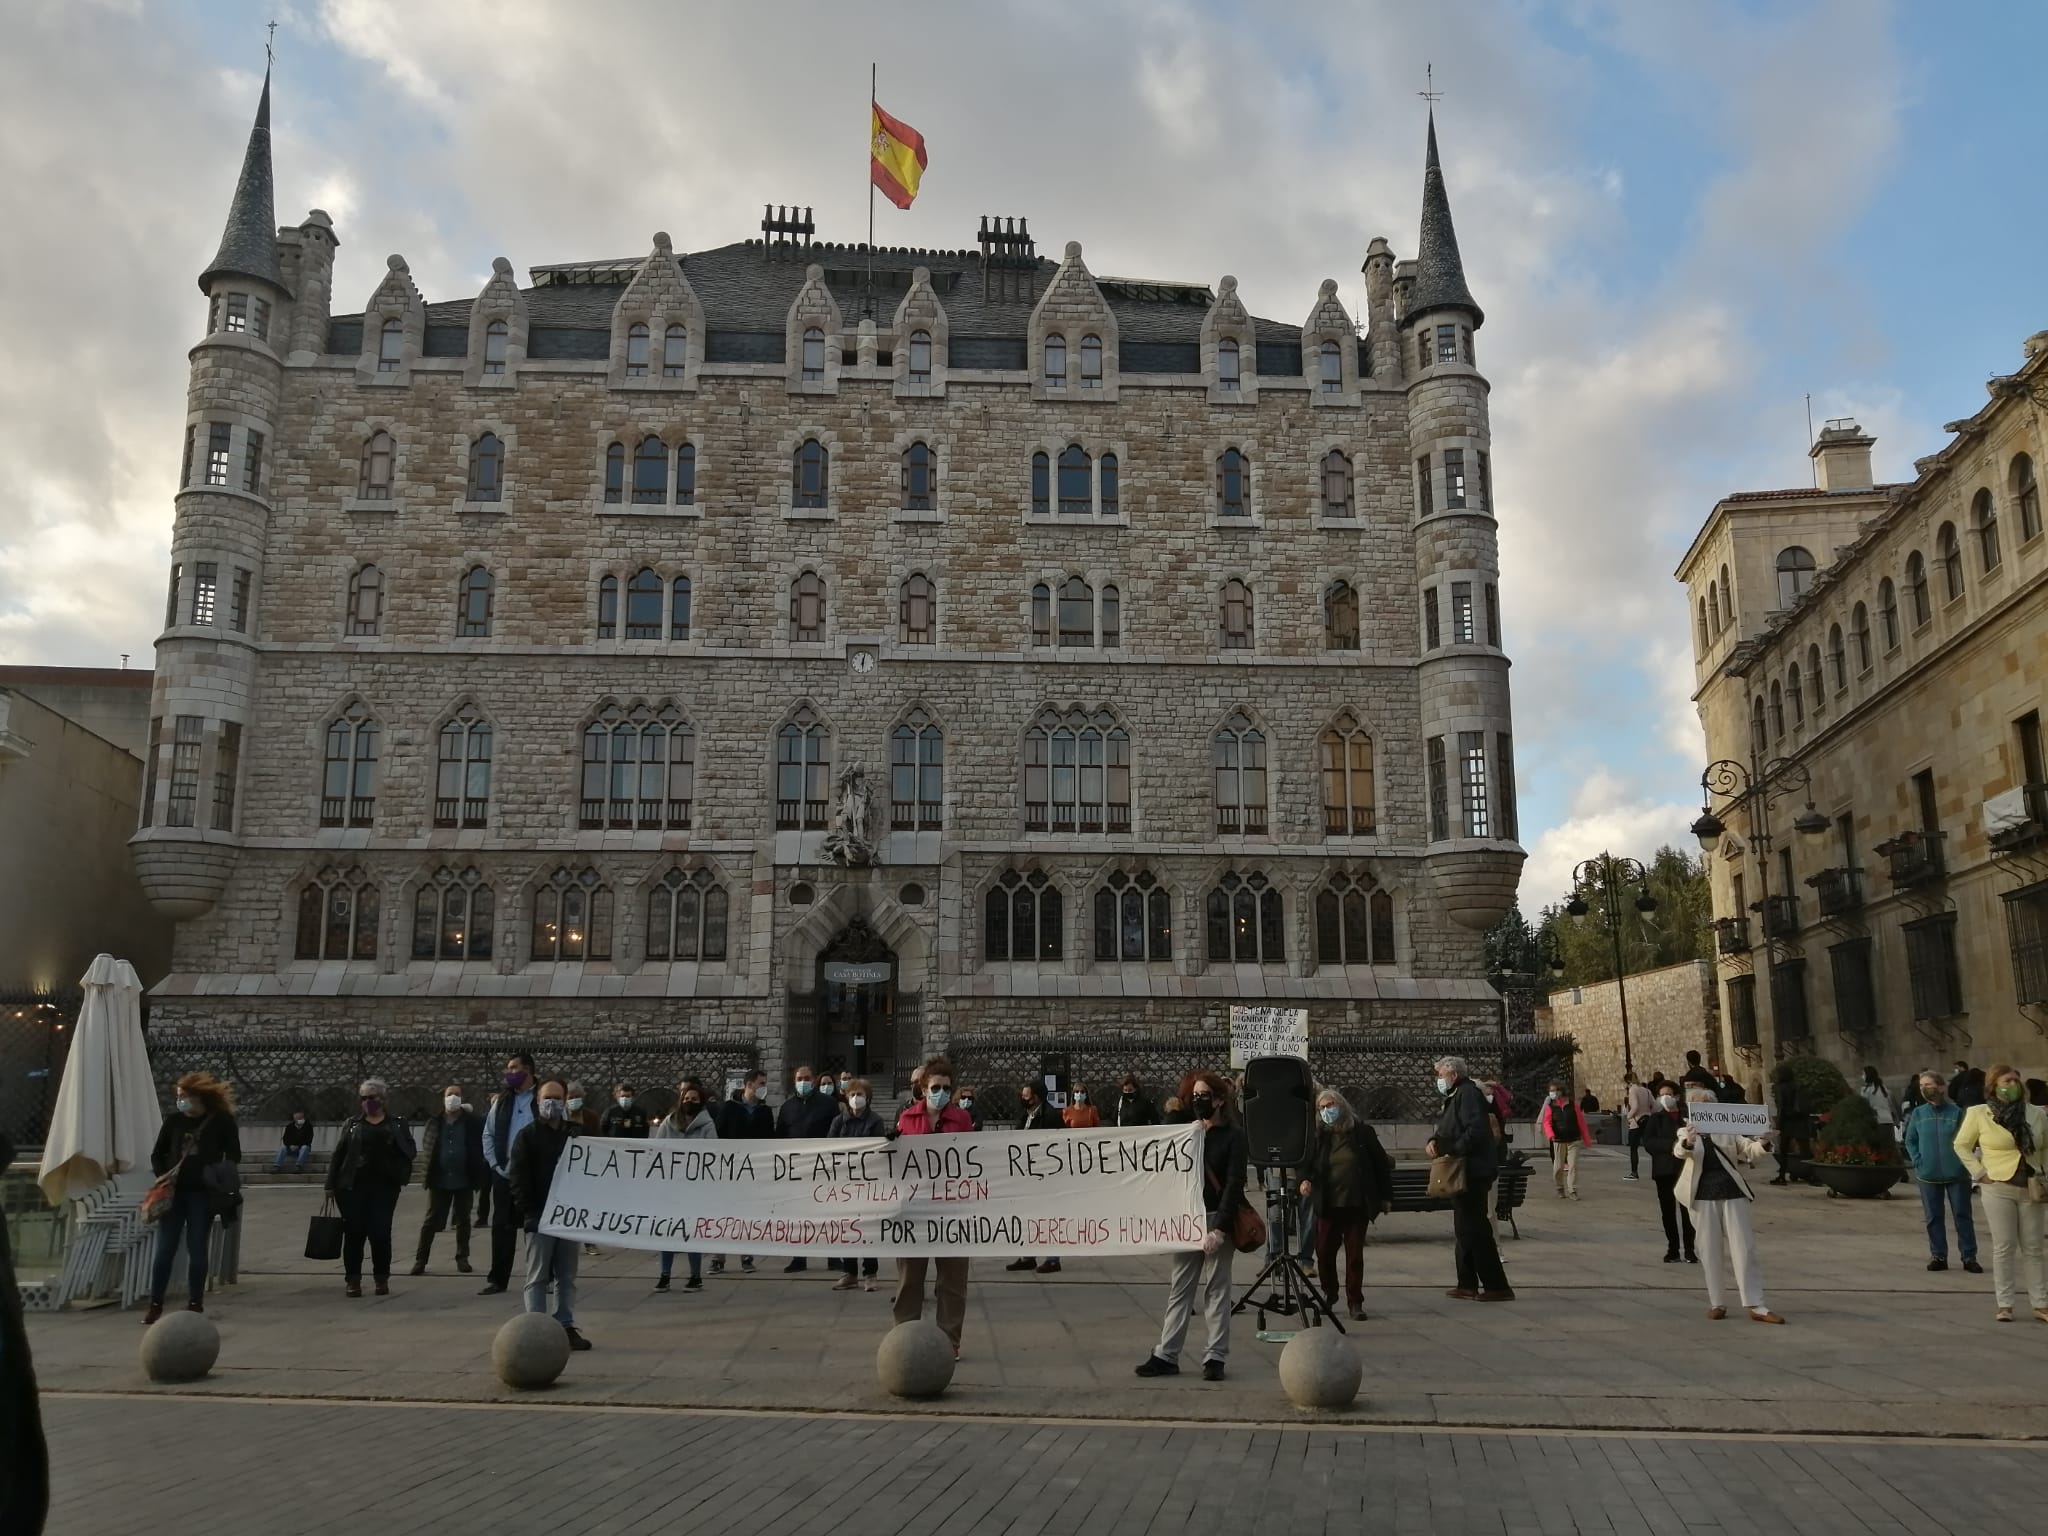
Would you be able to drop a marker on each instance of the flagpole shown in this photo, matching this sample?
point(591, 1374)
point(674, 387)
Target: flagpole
point(867, 304)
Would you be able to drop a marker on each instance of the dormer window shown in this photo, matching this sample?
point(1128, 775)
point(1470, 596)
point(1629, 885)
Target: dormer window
point(636, 352)
point(496, 334)
point(1055, 362)
point(1333, 368)
point(814, 355)
point(1226, 364)
point(675, 352)
point(1091, 362)
point(920, 371)
point(391, 346)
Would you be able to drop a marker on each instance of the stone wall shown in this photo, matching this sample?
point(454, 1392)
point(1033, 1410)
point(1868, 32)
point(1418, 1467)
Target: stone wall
point(1670, 1011)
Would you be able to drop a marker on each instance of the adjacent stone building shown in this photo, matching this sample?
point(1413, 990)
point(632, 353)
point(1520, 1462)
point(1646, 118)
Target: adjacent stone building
point(1874, 656)
point(784, 651)
point(1671, 1010)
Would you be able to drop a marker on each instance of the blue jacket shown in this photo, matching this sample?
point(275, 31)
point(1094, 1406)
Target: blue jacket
point(498, 1142)
point(1930, 1143)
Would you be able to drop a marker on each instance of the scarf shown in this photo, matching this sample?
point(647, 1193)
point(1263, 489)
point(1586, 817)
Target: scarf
point(2012, 1119)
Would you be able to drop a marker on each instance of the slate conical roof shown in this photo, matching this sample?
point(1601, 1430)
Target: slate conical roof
point(248, 245)
point(1439, 273)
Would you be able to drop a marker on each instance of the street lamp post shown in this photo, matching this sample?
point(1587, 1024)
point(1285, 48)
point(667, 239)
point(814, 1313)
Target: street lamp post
point(1605, 876)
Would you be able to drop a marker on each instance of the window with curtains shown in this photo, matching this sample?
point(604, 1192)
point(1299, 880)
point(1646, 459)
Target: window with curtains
point(454, 916)
point(1133, 918)
point(572, 917)
point(1340, 617)
point(1349, 808)
point(1236, 617)
point(807, 608)
point(687, 917)
point(1077, 773)
point(917, 610)
point(348, 775)
point(1246, 921)
point(1239, 750)
point(486, 469)
point(639, 769)
point(338, 912)
point(1354, 923)
point(1022, 918)
point(803, 772)
point(1336, 484)
point(917, 767)
point(462, 781)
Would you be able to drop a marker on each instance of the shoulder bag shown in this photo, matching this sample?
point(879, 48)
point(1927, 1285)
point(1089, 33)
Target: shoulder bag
point(1247, 1227)
point(324, 1233)
point(1446, 1177)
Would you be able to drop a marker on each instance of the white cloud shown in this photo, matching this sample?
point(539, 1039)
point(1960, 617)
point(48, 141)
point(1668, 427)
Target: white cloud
point(1605, 817)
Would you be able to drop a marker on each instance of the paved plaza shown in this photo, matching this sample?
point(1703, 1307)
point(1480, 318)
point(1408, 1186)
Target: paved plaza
point(1659, 1409)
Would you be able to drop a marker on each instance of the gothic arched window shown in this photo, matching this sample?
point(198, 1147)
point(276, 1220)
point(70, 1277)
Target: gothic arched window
point(1246, 921)
point(453, 917)
point(917, 765)
point(496, 335)
point(1022, 918)
point(1239, 751)
point(687, 917)
point(572, 917)
point(807, 608)
point(639, 768)
point(650, 471)
point(1354, 923)
point(1133, 918)
point(1077, 773)
point(803, 772)
point(475, 601)
point(365, 601)
point(810, 475)
point(462, 781)
point(1349, 807)
point(348, 773)
point(1340, 617)
point(338, 910)
point(636, 350)
point(675, 352)
point(486, 469)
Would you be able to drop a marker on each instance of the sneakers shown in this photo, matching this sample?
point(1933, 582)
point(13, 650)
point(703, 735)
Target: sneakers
point(1575, 1194)
point(845, 1283)
point(718, 1266)
point(1049, 1267)
point(576, 1340)
point(694, 1283)
point(868, 1284)
point(1937, 1264)
point(1212, 1370)
point(1631, 1178)
point(1021, 1264)
point(661, 1282)
point(1973, 1266)
point(2005, 1314)
point(1692, 1258)
point(1671, 1258)
point(1154, 1366)
point(746, 1266)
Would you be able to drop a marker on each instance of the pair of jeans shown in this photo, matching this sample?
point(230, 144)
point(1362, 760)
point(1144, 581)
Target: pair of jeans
point(1635, 1150)
point(1196, 1273)
point(696, 1264)
point(1677, 1219)
point(301, 1154)
point(552, 1259)
point(1956, 1196)
point(1346, 1226)
point(441, 1205)
point(1477, 1252)
point(366, 1213)
point(188, 1219)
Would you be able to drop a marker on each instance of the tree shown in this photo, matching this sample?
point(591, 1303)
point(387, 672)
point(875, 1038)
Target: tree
point(1677, 930)
point(1511, 948)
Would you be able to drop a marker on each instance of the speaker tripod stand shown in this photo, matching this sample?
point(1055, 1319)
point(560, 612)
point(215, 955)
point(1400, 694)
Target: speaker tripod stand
point(1291, 1291)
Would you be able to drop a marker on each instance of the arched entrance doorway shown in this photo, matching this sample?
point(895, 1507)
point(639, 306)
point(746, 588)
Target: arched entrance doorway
point(857, 1015)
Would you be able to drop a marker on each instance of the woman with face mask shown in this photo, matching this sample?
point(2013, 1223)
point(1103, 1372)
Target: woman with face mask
point(1202, 1275)
point(1351, 1179)
point(858, 1118)
point(198, 1134)
point(1080, 1115)
point(690, 1120)
point(1711, 1187)
point(2004, 1146)
point(1660, 1140)
point(934, 1115)
point(372, 1162)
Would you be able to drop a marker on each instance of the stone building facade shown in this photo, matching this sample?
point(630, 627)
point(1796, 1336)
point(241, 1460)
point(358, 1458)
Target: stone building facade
point(1671, 1010)
point(787, 652)
point(1874, 656)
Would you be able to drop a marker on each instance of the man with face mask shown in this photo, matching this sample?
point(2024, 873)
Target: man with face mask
point(1929, 1142)
point(1660, 1140)
point(1132, 1107)
point(1467, 1129)
point(549, 1260)
point(1036, 1114)
point(625, 1119)
point(804, 1115)
point(508, 1113)
point(452, 1169)
point(858, 1118)
point(296, 1143)
point(937, 1115)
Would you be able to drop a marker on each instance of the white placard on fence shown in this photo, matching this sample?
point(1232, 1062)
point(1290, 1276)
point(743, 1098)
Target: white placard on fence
point(1730, 1119)
point(1257, 1031)
point(1108, 1193)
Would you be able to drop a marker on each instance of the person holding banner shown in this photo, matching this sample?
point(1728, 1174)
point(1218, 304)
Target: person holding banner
point(689, 1120)
point(1225, 1152)
point(935, 1115)
point(1710, 1187)
point(858, 1118)
point(1036, 1114)
point(549, 1259)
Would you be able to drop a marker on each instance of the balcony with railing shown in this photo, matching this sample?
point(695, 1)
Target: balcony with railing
point(794, 815)
point(1241, 820)
point(450, 811)
point(1343, 821)
point(1780, 916)
point(915, 816)
point(1731, 936)
point(1914, 858)
point(2007, 833)
point(347, 810)
point(1837, 891)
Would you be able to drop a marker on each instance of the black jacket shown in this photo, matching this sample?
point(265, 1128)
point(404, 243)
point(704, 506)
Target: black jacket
point(535, 1151)
point(1137, 1110)
point(1465, 1129)
point(1729, 1091)
point(25, 1493)
point(468, 1126)
point(1040, 1116)
point(369, 1154)
point(631, 1123)
point(866, 1123)
point(1967, 1087)
point(1225, 1151)
point(1373, 1162)
point(298, 1133)
point(740, 1121)
point(216, 1138)
point(805, 1116)
point(1660, 1140)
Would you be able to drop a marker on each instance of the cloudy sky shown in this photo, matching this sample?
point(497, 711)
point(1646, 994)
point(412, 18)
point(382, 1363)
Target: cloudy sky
point(1680, 218)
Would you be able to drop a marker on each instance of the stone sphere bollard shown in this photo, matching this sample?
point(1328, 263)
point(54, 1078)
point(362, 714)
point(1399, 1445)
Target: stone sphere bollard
point(915, 1360)
point(180, 1346)
point(530, 1351)
point(1320, 1368)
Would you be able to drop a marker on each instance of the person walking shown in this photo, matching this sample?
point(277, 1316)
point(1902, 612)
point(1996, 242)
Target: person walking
point(690, 1120)
point(1710, 1187)
point(1929, 1142)
point(452, 1150)
point(1351, 1179)
point(1877, 1096)
point(1035, 1113)
point(199, 1134)
point(937, 1115)
point(296, 1144)
point(858, 1118)
point(549, 1260)
point(1636, 1105)
point(2003, 1143)
point(373, 1158)
point(624, 1119)
point(1466, 1129)
point(1205, 1271)
point(1080, 1115)
point(1564, 1126)
point(1132, 1107)
point(805, 1115)
point(1660, 1140)
point(508, 1113)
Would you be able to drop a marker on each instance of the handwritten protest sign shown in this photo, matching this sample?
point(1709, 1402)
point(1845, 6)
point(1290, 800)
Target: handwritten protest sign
point(1259, 1031)
point(1730, 1119)
point(1108, 1192)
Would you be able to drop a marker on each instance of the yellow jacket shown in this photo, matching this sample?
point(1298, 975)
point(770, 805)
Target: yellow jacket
point(1988, 1150)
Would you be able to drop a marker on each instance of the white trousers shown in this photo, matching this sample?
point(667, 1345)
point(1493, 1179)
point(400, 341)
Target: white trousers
point(2016, 1224)
point(1564, 1165)
point(1196, 1273)
point(1723, 1227)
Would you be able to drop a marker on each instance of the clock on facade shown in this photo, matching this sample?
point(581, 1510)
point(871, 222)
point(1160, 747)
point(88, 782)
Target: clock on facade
point(863, 662)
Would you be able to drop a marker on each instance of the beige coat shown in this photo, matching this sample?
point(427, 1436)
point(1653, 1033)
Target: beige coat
point(1734, 1150)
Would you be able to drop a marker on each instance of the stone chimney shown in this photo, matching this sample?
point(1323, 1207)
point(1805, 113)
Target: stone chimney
point(1841, 455)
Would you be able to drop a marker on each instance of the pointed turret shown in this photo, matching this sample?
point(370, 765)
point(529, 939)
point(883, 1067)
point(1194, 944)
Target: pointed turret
point(1439, 273)
point(248, 244)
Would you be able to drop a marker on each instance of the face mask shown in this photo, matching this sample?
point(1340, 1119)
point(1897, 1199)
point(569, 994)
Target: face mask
point(1130, 1093)
point(1443, 1085)
point(574, 1105)
point(825, 1087)
point(938, 1098)
point(856, 1102)
point(845, 1083)
point(1329, 1114)
point(2010, 1092)
point(550, 1109)
point(452, 1101)
point(691, 1107)
point(1204, 1105)
point(804, 1087)
point(625, 1101)
point(967, 1102)
point(296, 1119)
point(371, 1106)
point(1669, 1101)
point(1080, 1098)
point(184, 1106)
point(515, 1080)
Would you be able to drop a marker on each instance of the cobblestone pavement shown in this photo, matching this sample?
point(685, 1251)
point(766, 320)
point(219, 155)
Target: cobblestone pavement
point(234, 1466)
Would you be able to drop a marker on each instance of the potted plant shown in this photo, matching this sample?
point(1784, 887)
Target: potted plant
point(1854, 1156)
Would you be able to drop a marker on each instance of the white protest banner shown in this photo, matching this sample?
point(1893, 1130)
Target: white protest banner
point(1108, 1193)
point(1730, 1119)
point(1258, 1031)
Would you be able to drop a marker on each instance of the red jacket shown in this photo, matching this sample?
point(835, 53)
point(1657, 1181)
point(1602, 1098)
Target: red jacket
point(917, 1120)
point(1550, 1107)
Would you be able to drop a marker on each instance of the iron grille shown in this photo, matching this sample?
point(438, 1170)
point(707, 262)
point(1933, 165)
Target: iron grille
point(1788, 1000)
point(1855, 997)
point(1742, 1011)
point(2026, 923)
point(1931, 968)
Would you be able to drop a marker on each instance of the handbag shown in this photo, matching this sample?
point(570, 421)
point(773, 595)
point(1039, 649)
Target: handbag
point(1247, 1227)
point(157, 1199)
point(324, 1232)
point(1446, 1177)
point(223, 1182)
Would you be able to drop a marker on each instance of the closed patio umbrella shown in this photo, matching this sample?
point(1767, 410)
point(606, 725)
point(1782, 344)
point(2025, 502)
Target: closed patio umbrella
point(107, 1114)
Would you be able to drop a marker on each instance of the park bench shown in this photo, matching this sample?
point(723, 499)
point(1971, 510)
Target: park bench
point(1411, 1190)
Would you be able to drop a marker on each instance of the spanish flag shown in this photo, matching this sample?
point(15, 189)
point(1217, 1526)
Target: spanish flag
point(896, 156)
